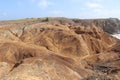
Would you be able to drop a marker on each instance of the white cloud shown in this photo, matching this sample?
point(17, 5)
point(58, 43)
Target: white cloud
point(43, 4)
point(94, 5)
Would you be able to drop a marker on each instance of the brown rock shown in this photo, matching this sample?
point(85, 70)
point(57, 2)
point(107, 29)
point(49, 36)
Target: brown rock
point(36, 49)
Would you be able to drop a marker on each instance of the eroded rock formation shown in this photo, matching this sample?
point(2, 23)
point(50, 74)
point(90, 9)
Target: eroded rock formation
point(57, 49)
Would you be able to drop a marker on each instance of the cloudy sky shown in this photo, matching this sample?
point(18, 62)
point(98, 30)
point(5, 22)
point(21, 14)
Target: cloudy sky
point(16, 9)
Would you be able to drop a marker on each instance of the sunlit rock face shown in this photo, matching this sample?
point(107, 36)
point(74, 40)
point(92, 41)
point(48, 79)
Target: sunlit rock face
point(58, 49)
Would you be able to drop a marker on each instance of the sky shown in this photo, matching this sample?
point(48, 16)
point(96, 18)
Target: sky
point(83, 9)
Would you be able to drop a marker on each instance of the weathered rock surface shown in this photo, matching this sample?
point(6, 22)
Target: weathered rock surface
point(110, 25)
point(57, 49)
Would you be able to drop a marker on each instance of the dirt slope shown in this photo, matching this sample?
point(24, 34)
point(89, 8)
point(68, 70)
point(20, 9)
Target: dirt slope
point(56, 50)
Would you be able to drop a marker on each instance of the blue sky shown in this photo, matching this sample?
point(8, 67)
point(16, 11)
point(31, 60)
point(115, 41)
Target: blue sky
point(17, 9)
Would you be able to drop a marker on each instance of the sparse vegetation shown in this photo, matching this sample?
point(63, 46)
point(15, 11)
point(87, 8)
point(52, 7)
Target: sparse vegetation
point(46, 20)
point(100, 77)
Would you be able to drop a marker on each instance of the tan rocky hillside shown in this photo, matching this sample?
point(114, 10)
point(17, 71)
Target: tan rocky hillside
point(57, 49)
